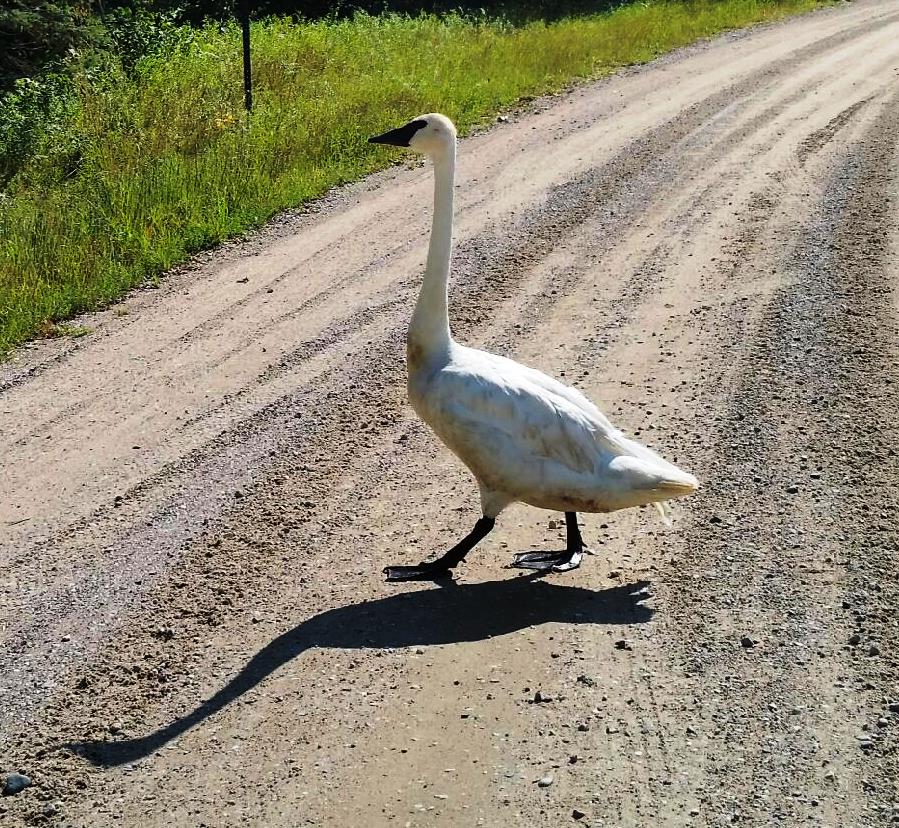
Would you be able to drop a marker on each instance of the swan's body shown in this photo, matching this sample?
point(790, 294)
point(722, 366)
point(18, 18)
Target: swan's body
point(524, 435)
point(527, 437)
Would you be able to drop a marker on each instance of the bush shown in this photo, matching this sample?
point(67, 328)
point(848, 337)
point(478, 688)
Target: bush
point(34, 120)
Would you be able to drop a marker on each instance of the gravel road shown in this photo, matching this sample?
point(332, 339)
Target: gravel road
point(197, 498)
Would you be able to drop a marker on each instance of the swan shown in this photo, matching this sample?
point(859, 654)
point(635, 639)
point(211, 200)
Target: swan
point(524, 436)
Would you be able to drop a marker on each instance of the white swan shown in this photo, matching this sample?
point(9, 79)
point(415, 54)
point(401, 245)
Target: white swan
point(524, 436)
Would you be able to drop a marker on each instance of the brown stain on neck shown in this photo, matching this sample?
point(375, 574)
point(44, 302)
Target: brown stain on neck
point(415, 355)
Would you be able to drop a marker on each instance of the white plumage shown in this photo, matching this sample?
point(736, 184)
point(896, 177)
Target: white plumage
point(524, 435)
point(527, 437)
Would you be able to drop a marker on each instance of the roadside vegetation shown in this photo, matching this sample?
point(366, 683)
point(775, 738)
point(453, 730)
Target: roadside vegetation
point(118, 162)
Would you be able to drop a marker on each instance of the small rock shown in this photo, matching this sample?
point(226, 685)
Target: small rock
point(611, 729)
point(747, 642)
point(714, 519)
point(792, 489)
point(545, 781)
point(576, 813)
point(855, 639)
point(15, 783)
point(883, 721)
point(586, 681)
point(893, 707)
point(615, 574)
point(553, 525)
point(539, 698)
point(623, 644)
point(583, 727)
point(873, 650)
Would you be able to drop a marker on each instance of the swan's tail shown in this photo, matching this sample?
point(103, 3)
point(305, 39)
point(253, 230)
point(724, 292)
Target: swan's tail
point(678, 488)
point(650, 479)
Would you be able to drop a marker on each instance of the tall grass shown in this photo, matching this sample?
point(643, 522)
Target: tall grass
point(153, 164)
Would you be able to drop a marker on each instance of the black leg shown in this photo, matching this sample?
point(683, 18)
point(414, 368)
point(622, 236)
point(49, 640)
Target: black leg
point(429, 571)
point(573, 533)
point(556, 561)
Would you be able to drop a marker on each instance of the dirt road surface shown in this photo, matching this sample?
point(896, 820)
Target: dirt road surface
point(197, 498)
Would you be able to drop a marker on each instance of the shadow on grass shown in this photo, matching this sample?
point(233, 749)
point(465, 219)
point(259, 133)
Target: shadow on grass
point(449, 614)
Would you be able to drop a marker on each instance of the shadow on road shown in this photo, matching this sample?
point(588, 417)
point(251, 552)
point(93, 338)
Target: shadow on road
point(449, 614)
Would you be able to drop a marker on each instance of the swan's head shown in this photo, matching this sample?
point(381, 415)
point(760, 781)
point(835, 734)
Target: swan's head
point(432, 134)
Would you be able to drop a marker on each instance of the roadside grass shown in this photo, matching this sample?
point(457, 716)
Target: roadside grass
point(149, 166)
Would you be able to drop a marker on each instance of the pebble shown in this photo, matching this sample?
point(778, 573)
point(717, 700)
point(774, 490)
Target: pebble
point(15, 783)
point(586, 681)
point(623, 644)
point(576, 813)
point(873, 650)
point(893, 707)
point(792, 489)
point(748, 642)
point(854, 639)
point(544, 781)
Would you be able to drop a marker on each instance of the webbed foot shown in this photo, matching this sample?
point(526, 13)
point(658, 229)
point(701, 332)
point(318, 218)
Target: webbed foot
point(549, 561)
point(442, 567)
point(422, 572)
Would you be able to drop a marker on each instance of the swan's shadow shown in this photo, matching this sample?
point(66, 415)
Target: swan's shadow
point(454, 613)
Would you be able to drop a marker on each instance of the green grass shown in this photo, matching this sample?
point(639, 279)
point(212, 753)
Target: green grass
point(148, 167)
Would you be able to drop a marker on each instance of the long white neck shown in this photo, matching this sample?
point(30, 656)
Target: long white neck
point(430, 329)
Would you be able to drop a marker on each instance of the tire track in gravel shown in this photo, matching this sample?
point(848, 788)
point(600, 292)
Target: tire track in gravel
point(817, 356)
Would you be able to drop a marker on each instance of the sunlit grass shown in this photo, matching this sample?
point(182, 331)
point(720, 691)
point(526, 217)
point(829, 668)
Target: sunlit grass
point(164, 162)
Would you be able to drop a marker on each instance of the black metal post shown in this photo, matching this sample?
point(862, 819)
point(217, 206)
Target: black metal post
point(247, 71)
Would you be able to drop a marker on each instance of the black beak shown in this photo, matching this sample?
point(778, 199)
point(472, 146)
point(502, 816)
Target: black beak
point(399, 137)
